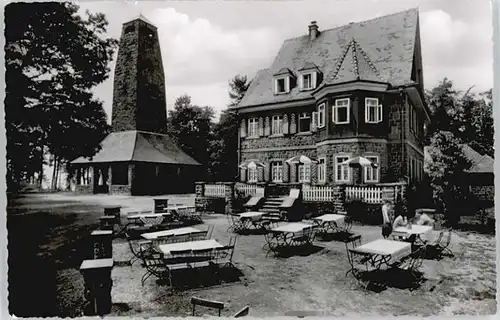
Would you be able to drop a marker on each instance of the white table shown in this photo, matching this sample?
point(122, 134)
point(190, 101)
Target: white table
point(292, 227)
point(253, 215)
point(330, 222)
point(190, 245)
point(165, 233)
point(417, 230)
point(384, 251)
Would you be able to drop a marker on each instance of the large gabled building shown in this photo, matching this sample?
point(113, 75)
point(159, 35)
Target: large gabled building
point(331, 95)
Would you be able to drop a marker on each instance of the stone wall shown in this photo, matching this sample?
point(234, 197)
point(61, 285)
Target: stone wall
point(486, 193)
point(120, 189)
point(139, 89)
point(83, 189)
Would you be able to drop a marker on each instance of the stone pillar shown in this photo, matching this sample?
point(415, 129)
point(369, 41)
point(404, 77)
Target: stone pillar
point(200, 189)
point(110, 177)
point(113, 211)
point(339, 199)
point(131, 175)
point(97, 276)
point(102, 244)
point(107, 222)
point(229, 196)
point(92, 179)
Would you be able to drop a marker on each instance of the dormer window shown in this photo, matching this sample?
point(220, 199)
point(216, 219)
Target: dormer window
point(308, 80)
point(282, 85)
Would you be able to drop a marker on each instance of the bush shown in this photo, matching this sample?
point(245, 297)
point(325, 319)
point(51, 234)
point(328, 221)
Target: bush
point(365, 213)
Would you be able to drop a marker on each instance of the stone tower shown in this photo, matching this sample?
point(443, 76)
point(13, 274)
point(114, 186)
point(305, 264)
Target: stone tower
point(139, 85)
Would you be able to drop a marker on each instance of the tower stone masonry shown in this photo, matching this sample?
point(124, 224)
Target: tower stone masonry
point(139, 101)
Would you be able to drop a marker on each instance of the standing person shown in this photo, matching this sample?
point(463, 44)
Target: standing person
point(386, 219)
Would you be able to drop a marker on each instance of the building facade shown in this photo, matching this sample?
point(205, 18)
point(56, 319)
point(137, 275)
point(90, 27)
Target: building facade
point(332, 95)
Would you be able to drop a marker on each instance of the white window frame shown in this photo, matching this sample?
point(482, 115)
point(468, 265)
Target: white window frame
point(376, 106)
point(252, 175)
point(277, 129)
point(277, 171)
point(311, 84)
point(321, 115)
point(306, 172)
point(253, 123)
point(336, 107)
point(286, 86)
point(322, 169)
point(305, 115)
point(369, 170)
point(337, 164)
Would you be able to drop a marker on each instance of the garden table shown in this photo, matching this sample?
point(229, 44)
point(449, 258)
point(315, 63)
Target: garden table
point(286, 234)
point(149, 218)
point(166, 233)
point(183, 212)
point(331, 222)
point(382, 252)
point(415, 229)
point(190, 245)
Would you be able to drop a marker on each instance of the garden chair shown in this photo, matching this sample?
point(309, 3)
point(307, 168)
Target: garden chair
point(154, 265)
point(274, 242)
point(201, 258)
point(197, 235)
point(443, 242)
point(164, 239)
point(242, 313)
point(412, 265)
point(236, 225)
point(206, 303)
point(209, 232)
point(138, 248)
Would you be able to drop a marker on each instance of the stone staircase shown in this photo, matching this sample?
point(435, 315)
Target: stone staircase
point(271, 206)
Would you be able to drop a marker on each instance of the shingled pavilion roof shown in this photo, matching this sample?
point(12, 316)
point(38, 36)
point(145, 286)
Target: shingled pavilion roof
point(380, 50)
point(139, 146)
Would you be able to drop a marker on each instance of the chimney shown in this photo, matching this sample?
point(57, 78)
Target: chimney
point(313, 30)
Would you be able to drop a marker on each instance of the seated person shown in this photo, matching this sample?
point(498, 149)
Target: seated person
point(400, 221)
point(423, 220)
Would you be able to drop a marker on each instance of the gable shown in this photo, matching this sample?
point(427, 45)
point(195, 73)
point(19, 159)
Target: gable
point(387, 41)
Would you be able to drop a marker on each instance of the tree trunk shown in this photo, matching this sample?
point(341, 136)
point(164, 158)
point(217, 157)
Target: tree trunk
point(52, 182)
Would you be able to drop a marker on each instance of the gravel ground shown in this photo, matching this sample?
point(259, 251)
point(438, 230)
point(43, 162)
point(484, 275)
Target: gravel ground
point(58, 224)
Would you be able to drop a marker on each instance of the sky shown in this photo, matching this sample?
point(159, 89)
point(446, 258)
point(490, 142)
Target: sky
point(204, 44)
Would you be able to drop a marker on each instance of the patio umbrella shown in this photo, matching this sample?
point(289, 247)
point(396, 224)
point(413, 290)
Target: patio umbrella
point(252, 164)
point(300, 159)
point(359, 161)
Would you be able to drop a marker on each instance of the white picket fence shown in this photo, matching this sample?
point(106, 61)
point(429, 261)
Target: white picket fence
point(317, 193)
point(215, 190)
point(366, 194)
point(249, 189)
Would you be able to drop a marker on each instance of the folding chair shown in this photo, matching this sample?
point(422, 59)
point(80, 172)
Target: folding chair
point(443, 246)
point(242, 313)
point(154, 265)
point(209, 231)
point(139, 249)
point(197, 235)
point(164, 239)
point(236, 225)
point(206, 303)
point(201, 258)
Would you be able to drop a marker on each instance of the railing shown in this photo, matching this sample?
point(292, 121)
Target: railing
point(366, 194)
point(215, 190)
point(317, 193)
point(249, 189)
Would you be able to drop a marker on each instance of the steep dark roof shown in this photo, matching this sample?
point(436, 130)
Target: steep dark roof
point(383, 48)
point(139, 146)
point(480, 163)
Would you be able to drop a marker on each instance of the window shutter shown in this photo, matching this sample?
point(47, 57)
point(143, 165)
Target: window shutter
point(301, 81)
point(285, 171)
point(243, 175)
point(314, 79)
point(266, 172)
point(379, 109)
point(293, 124)
point(287, 84)
point(314, 173)
point(275, 86)
point(334, 115)
point(260, 174)
point(243, 128)
point(314, 121)
point(267, 127)
point(261, 127)
point(285, 124)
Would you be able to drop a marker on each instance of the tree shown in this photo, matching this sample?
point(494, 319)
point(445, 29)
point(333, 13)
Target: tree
point(447, 174)
point(191, 127)
point(224, 148)
point(53, 58)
